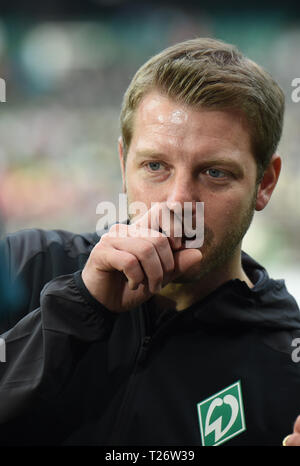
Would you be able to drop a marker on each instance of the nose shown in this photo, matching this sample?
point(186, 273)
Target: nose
point(183, 189)
point(185, 198)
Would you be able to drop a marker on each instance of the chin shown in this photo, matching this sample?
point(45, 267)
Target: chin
point(213, 258)
point(192, 275)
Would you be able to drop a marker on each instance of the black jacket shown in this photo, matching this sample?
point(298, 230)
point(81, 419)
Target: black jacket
point(77, 374)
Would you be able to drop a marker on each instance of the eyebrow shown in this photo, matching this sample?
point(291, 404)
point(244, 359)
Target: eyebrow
point(149, 153)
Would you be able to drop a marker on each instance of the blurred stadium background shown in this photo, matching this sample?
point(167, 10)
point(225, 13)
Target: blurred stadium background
point(66, 67)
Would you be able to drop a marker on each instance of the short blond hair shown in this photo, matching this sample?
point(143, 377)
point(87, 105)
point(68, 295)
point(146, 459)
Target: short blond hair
point(209, 73)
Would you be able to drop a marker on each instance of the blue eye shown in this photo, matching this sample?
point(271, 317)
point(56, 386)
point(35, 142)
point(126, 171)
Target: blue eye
point(154, 166)
point(215, 173)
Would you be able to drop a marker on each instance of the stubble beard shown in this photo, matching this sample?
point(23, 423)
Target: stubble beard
point(216, 255)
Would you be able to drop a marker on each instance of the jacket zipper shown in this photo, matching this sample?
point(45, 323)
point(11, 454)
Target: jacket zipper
point(140, 356)
point(116, 437)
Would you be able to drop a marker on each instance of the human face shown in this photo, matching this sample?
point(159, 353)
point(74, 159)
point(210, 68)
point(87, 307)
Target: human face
point(181, 154)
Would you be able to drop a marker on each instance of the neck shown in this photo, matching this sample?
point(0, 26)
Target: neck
point(181, 295)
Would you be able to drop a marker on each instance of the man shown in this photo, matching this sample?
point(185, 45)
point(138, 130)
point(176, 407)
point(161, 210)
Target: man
point(137, 339)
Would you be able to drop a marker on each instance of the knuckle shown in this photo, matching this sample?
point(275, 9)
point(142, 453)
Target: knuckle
point(148, 249)
point(103, 239)
point(131, 263)
point(162, 241)
point(114, 228)
point(134, 233)
point(117, 228)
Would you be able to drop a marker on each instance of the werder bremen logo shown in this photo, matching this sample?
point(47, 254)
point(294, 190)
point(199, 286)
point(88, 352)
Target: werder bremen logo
point(221, 416)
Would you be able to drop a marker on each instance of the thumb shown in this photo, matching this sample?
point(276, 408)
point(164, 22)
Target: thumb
point(186, 259)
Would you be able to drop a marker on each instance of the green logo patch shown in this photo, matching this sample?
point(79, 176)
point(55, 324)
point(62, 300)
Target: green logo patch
point(221, 416)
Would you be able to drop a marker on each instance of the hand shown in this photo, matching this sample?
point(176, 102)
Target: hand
point(132, 262)
point(293, 440)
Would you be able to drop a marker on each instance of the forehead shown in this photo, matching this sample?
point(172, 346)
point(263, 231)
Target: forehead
point(160, 119)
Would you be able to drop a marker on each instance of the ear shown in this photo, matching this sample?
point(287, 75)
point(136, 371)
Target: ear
point(122, 161)
point(268, 182)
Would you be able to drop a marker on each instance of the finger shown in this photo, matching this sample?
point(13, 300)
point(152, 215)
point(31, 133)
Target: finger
point(171, 224)
point(114, 259)
point(161, 244)
point(285, 440)
point(147, 255)
point(161, 219)
point(159, 240)
point(292, 440)
point(150, 218)
point(297, 425)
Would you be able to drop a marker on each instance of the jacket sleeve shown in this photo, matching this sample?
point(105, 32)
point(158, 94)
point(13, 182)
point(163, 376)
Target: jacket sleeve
point(32, 258)
point(44, 347)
